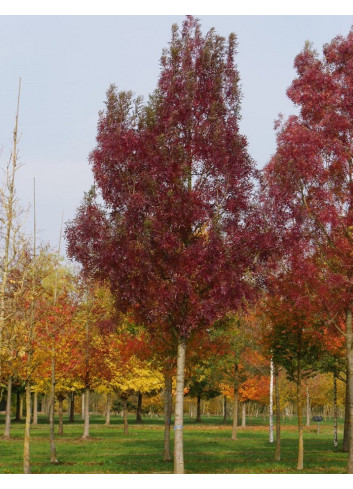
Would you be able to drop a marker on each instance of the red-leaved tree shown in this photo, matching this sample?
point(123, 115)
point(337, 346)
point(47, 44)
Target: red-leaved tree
point(310, 178)
point(175, 233)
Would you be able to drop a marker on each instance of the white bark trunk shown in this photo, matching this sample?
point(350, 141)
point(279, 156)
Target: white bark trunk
point(179, 409)
point(271, 401)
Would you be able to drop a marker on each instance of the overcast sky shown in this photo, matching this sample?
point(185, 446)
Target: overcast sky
point(67, 63)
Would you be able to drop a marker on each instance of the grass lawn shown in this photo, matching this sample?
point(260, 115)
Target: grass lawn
point(208, 448)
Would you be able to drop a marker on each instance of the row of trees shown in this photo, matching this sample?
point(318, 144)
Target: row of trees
point(92, 352)
point(195, 249)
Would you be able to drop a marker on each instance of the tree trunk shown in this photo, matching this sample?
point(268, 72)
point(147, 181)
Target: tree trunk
point(198, 409)
point(179, 409)
point(167, 416)
point(72, 408)
point(224, 409)
point(53, 458)
point(35, 409)
point(43, 405)
point(21, 406)
point(300, 420)
point(307, 407)
point(243, 415)
point(278, 417)
point(86, 415)
point(61, 417)
point(26, 448)
point(235, 404)
point(83, 406)
point(18, 411)
point(139, 408)
point(346, 419)
point(8, 409)
point(271, 402)
point(335, 410)
point(349, 351)
point(126, 424)
point(108, 407)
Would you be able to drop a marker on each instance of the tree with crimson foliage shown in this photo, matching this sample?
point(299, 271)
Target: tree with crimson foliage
point(311, 175)
point(175, 234)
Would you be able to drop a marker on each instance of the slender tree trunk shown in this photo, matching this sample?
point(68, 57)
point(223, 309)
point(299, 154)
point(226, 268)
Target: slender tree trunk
point(198, 409)
point(139, 408)
point(108, 407)
point(307, 407)
point(271, 402)
point(179, 409)
point(35, 409)
point(53, 458)
point(300, 464)
point(349, 350)
point(18, 410)
point(235, 404)
point(61, 417)
point(26, 447)
point(21, 406)
point(83, 405)
point(126, 424)
point(26, 443)
point(335, 410)
point(8, 410)
point(224, 409)
point(167, 416)
point(346, 430)
point(243, 415)
point(278, 417)
point(72, 408)
point(86, 415)
point(46, 406)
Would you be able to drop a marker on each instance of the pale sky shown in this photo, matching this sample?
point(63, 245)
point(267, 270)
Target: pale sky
point(68, 62)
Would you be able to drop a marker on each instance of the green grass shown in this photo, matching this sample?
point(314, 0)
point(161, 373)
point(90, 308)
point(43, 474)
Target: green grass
point(208, 448)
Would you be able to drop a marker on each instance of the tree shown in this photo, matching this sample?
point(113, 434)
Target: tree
point(294, 328)
point(310, 176)
point(176, 230)
point(94, 322)
point(201, 385)
point(15, 337)
point(10, 226)
point(12, 244)
point(124, 373)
